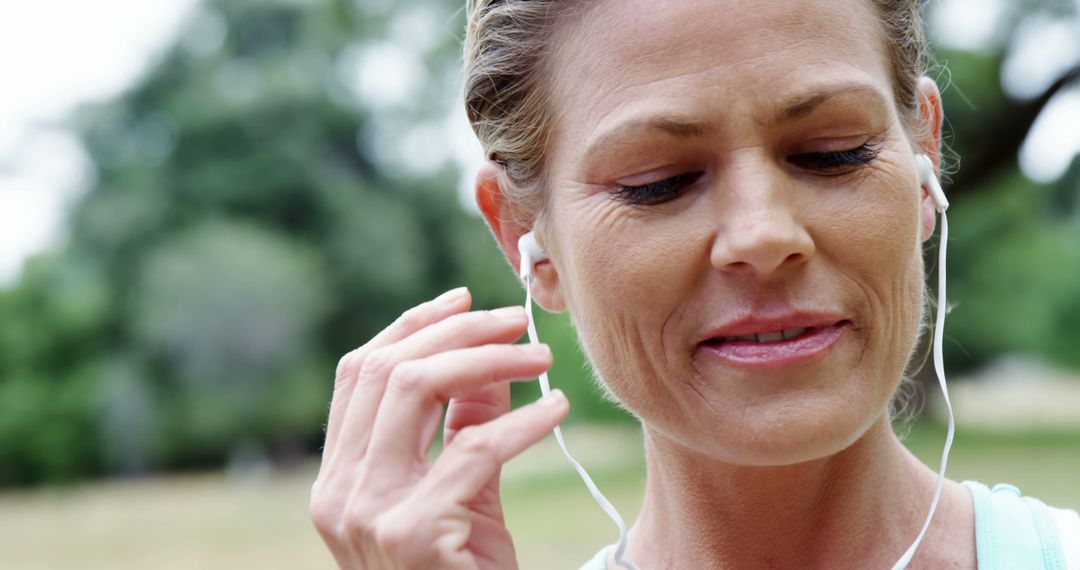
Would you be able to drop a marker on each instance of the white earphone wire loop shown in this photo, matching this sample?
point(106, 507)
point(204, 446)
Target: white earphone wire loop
point(605, 504)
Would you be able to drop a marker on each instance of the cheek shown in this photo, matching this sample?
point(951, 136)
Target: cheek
point(620, 258)
point(875, 243)
point(625, 276)
point(873, 235)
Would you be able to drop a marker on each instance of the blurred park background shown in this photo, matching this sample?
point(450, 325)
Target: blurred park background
point(204, 203)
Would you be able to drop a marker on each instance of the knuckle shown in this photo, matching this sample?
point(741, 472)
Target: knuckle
point(357, 521)
point(361, 523)
point(347, 365)
point(378, 363)
point(394, 535)
point(412, 319)
point(324, 514)
point(407, 377)
point(471, 440)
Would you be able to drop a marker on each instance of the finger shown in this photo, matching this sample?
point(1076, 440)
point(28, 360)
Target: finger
point(417, 390)
point(458, 331)
point(478, 452)
point(475, 407)
point(417, 318)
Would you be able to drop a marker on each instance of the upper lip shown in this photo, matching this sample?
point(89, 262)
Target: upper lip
point(760, 324)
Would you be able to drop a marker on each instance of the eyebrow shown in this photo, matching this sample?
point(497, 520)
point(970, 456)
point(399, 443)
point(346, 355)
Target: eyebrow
point(673, 126)
point(791, 109)
point(803, 104)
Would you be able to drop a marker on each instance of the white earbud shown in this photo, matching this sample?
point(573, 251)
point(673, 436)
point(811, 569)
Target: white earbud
point(927, 178)
point(531, 253)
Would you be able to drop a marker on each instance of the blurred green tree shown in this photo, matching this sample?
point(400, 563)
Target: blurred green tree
point(238, 238)
point(1015, 243)
point(258, 211)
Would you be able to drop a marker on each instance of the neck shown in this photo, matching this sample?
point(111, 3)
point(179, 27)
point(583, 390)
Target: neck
point(858, 508)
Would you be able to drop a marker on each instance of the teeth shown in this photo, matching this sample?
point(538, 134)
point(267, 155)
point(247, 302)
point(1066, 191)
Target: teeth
point(769, 337)
point(793, 333)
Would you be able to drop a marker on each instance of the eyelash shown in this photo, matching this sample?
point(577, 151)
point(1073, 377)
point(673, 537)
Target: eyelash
point(829, 162)
point(824, 162)
point(657, 192)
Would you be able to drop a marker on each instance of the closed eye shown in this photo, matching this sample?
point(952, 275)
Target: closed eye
point(657, 192)
point(837, 162)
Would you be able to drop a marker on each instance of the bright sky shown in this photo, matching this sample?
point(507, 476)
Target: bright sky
point(57, 54)
point(54, 55)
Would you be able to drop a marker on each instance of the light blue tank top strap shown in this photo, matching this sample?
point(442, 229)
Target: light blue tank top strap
point(1013, 531)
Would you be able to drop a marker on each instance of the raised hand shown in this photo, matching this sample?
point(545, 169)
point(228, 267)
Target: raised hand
point(379, 502)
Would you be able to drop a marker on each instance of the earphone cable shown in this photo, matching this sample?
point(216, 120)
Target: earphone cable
point(939, 368)
point(545, 389)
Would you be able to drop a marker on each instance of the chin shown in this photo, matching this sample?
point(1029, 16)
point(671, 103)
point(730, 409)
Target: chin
point(793, 430)
point(792, 448)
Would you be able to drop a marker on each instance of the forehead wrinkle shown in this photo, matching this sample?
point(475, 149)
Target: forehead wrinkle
point(643, 36)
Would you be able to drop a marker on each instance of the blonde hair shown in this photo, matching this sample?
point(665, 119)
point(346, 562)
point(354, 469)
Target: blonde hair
point(506, 54)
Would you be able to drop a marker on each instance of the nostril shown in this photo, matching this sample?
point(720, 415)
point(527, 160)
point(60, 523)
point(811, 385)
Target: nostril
point(766, 266)
point(796, 257)
point(740, 265)
point(761, 249)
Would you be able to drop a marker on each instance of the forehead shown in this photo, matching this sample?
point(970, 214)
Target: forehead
point(721, 58)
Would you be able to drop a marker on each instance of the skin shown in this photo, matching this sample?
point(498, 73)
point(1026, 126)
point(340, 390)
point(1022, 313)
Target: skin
point(782, 466)
point(378, 501)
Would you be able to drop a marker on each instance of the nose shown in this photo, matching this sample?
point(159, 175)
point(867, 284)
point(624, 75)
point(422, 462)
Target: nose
point(761, 233)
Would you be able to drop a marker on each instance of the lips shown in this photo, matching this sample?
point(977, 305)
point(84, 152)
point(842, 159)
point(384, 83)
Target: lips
point(792, 339)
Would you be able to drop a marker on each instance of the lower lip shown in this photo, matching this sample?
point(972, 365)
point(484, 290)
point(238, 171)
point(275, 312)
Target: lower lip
point(811, 345)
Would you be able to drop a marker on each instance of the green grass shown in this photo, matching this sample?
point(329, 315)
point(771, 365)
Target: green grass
point(206, 522)
point(216, 522)
point(1044, 465)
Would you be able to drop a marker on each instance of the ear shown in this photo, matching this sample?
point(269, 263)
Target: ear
point(508, 223)
point(931, 115)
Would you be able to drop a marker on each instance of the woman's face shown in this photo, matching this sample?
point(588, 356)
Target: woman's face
point(735, 219)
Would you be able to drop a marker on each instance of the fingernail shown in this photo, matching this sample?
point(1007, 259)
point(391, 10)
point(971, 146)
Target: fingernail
point(452, 294)
point(509, 312)
point(553, 399)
